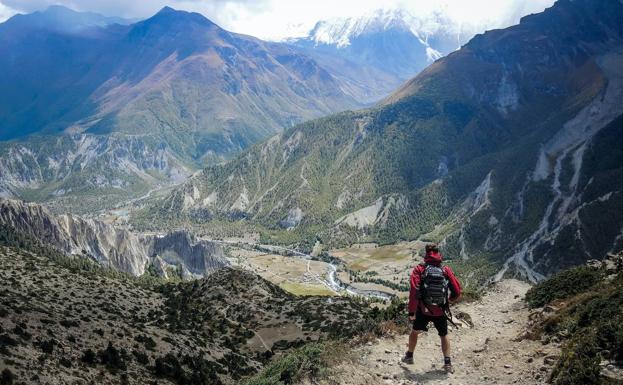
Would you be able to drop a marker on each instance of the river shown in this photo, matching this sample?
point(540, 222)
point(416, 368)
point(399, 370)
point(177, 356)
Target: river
point(332, 281)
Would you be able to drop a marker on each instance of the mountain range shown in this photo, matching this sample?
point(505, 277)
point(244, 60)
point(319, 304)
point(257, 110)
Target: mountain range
point(99, 110)
point(96, 78)
point(388, 46)
point(508, 152)
point(508, 149)
point(105, 109)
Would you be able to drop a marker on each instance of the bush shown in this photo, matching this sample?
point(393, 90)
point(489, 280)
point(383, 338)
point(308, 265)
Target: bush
point(309, 360)
point(66, 362)
point(594, 323)
point(200, 371)
point(578, 364)
point(141, 357)
point(88, 357)
point(113, 358)
point(563, 285)
point(48, 346)
point(6, 377)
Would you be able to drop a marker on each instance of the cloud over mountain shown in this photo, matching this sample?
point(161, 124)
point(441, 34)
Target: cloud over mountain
point(277, 19)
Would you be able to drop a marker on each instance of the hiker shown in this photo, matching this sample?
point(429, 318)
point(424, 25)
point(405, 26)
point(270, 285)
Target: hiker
point(433, 287)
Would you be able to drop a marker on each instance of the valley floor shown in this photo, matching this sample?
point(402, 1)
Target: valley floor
point(487, 353)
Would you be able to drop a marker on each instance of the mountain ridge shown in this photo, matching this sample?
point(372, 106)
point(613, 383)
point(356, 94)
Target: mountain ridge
point(450, 157)
point(61, 19)
point(175, 82)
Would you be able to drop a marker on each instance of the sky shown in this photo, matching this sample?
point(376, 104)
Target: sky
point(277, 19)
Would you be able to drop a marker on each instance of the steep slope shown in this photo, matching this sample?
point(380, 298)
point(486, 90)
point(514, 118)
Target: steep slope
point(383, 48)
point(87, 172)
point(59, 323)
point(173, 254)
point(496, 150)
point(174, 84)
point(582, 308)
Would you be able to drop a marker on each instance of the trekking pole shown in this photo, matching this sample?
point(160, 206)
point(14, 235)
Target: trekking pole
point(448, 314)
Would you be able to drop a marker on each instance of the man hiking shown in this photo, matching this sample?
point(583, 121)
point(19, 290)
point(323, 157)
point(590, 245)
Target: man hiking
point(433, 287)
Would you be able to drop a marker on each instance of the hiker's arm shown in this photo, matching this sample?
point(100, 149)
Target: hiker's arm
point(413, 291)
point(453, 284)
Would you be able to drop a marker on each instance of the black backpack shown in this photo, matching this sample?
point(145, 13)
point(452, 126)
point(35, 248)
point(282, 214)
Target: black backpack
point(434, 286)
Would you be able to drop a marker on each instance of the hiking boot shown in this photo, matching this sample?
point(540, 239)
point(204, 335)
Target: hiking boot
point(407, 360)
point(448, 368)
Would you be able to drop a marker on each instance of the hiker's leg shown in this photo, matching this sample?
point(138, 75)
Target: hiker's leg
point(441, 324)
point(420, 325)
point(445, 345)
point(413, 340)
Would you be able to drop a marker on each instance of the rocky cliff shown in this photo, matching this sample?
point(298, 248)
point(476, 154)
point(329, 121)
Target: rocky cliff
point(113, 247)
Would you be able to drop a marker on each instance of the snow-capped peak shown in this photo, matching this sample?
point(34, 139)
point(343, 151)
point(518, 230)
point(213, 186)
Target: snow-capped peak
point(340, 32)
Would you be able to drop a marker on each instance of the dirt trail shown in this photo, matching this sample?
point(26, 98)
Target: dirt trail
point(486, 353)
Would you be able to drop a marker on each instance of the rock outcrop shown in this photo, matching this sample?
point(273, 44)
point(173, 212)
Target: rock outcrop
point(111, 246)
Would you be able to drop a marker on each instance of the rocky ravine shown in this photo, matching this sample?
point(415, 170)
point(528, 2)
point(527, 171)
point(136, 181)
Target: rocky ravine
point(112, 246)
point(490, 352)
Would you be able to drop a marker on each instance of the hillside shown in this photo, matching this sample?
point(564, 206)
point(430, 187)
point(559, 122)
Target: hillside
point(88, 326)
point(118, 109)
point(581, 307)
point(494, 150)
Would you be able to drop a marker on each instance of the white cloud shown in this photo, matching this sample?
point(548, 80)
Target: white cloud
point(5, 12)
point(280, 18)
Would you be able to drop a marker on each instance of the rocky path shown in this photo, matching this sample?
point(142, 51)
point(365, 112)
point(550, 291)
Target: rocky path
point(487, 353)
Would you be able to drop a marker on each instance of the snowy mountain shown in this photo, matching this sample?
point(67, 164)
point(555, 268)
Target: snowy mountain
point(341, 32)
point(389, 46)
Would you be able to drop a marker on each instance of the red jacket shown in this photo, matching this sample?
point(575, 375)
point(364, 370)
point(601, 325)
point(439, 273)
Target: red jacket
point(416, 275)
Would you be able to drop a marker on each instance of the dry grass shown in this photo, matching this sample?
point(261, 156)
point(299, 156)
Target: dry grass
point(306, 289)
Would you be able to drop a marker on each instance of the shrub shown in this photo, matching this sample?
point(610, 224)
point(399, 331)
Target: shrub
point(594, 324)
point(88, 357)
point(48, 346)
point(578, 364)
point(66, 362)
point(6, 377)
point(149, 342)
point(68, 323)
point(141, 357)
point(7, 340)
point(563, 285)
point(309, 360)
point(113, 358)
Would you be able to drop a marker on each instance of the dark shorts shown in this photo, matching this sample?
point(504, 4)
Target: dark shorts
point(421, 323)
